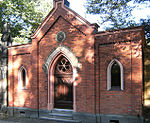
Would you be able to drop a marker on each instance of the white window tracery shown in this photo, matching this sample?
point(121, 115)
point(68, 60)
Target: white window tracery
point(115, 80)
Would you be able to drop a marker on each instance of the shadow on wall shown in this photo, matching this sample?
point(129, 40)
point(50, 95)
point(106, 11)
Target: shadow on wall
point(21, 96)
point(79, 42)
point(127, 48)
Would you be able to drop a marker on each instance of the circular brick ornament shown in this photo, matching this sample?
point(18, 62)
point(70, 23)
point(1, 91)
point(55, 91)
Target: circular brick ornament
point(60, 37)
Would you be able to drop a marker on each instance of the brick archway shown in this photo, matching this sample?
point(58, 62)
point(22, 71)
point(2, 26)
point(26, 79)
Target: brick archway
point(49, 68)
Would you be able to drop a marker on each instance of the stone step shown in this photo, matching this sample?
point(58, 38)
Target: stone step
point(1, 114)
point(60, 115)
point(62, 111)
point(60, 120)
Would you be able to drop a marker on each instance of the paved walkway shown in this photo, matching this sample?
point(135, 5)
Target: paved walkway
point(1, 121)
point(24, 120)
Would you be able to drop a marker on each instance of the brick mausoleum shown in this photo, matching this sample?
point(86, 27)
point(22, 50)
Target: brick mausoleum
point(71, 72)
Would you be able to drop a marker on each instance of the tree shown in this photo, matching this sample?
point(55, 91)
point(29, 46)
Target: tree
point(118, 13)
point(146, 24)
point(24, 16)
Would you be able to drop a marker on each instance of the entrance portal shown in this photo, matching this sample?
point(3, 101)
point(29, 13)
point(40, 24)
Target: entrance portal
point(63, 86)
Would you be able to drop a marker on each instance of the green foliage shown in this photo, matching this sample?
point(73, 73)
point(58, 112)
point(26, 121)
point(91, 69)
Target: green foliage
point(0, 37)
point(146, 24)
point(24, 16)
point(113, 11)
point(24, 36)
point(116, 12)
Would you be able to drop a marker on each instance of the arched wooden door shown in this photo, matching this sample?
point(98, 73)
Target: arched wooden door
point(63, 86)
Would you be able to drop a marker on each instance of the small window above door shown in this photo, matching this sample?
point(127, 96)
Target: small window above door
point(63, 66)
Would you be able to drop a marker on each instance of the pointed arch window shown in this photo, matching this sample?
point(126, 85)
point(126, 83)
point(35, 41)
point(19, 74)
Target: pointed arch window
point(22, 78)
point(115, 76)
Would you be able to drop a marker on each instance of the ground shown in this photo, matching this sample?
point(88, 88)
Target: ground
point(24, 120)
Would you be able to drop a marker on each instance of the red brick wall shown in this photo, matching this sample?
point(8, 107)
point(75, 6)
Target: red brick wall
point(77, 42)
point(91, 82)
point(21, 56)
point(126, 47)
point(78, 39)
point(94, 55)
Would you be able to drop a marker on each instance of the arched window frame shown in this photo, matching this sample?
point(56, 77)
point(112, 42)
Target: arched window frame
point(20, 82)
point(109, 86)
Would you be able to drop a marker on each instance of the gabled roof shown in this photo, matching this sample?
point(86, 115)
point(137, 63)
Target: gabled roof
point(61, 10)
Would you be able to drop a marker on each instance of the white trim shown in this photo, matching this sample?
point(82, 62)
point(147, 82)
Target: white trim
point(20, 84)
point(109, 74)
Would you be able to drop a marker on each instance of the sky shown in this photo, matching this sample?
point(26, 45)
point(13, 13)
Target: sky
point(79, 7)
point(142, 11)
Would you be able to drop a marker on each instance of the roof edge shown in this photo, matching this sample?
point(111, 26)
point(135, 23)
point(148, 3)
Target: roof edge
point(20, 45)
point(55, 6)
point(119, 30)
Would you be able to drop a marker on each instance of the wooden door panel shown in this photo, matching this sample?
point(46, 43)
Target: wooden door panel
point(63, 93)
point(63, 86)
